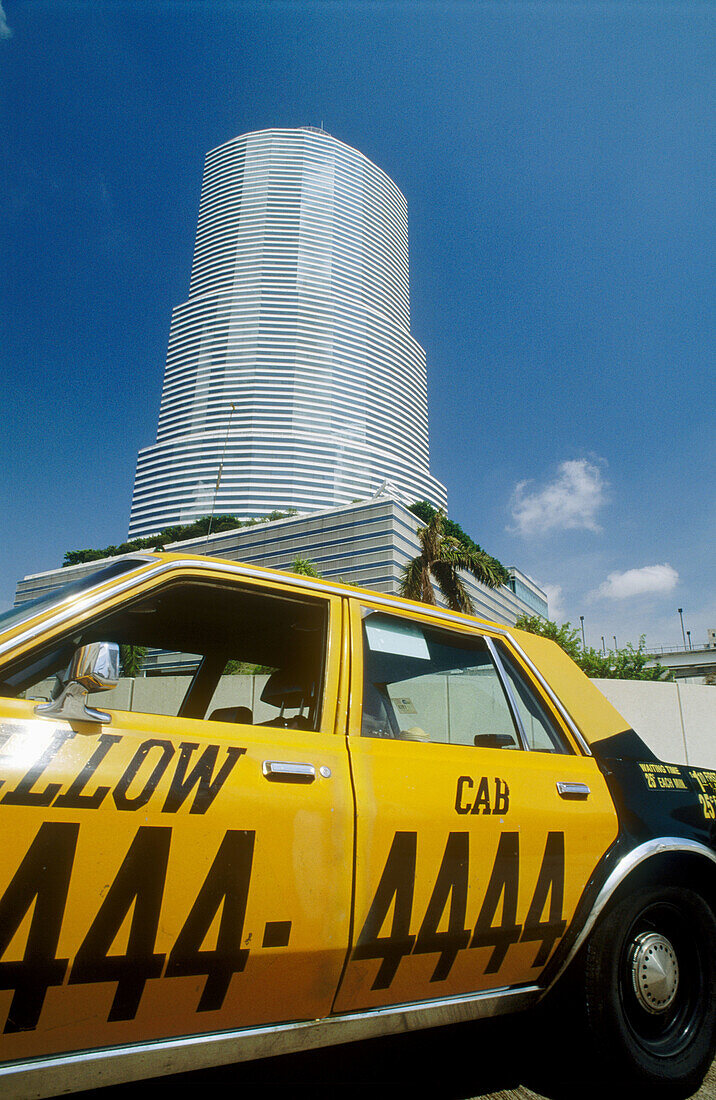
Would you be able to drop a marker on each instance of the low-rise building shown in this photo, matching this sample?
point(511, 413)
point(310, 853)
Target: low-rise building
point(366, 544)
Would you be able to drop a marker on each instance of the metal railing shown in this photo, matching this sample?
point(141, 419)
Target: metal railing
point(655, 650)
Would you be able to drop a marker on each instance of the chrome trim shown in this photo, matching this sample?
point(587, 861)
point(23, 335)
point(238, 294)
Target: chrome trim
point(114, 1065)
point(94, 667)
point(566, 789)
point(654, 972)
point(623, 869)
point(576, 732)
point(507, 689)
point(71, 706)
point(288, 770)
point(399, 603)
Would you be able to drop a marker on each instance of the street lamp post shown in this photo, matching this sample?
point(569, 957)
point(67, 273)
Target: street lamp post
point(615, 641)
point(681, 616)
point(604, 646)
point(581, 620)
point(688, 635)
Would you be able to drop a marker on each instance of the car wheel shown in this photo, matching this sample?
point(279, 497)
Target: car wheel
point(650, 978)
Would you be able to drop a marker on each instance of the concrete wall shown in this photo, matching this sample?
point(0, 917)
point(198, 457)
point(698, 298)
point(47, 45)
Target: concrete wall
point(451, 709)
point(677, 721)
point(163, 695)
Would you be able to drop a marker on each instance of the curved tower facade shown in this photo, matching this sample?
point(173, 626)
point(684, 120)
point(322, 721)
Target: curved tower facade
point(292, 380)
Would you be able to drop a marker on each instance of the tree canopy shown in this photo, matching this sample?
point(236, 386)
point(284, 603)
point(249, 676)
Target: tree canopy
point(178, 533)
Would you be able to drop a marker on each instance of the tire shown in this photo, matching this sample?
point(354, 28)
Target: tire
point(650, 985)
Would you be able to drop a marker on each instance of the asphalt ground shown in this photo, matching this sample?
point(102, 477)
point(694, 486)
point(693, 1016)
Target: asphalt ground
point(492, 1060)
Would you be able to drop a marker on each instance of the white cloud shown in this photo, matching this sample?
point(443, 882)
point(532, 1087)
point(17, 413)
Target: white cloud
point(638, 582)
point(5, 31)
point(570, 501)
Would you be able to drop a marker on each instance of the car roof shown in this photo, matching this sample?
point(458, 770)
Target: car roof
point(328, 586)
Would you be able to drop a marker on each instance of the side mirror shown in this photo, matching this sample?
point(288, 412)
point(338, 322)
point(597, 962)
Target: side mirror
point(94, 667)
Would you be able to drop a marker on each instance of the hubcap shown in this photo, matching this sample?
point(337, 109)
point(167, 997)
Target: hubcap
point(654, 971)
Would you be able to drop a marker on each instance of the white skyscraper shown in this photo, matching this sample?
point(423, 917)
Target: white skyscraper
point(291, 379)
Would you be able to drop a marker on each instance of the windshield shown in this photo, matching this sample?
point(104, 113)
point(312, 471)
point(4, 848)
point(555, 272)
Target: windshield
point(15, 615)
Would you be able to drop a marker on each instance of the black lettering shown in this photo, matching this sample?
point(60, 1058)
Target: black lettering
point(397, 882)
point(463, 781)
point(23, 794)
point(452, 884)
point(550, 882)
point(73, 799)
point(227, 882)
point(140, 884)
point(482, 800)
point(121, 799)
point(43, 877)
point(201, 775)
point(504, 883)
point(502, 797)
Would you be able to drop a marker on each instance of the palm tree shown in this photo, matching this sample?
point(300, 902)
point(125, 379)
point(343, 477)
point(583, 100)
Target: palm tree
point(304, 567)
point(132, 658)
point(441, 558)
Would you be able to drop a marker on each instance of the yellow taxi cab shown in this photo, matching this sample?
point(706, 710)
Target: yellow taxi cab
point(324, 814)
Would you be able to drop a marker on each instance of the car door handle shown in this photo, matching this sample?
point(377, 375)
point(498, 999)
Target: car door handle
point(288, 772)
point(572, 790)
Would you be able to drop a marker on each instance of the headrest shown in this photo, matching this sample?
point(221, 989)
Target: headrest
point(287, 687)
point(243, 715)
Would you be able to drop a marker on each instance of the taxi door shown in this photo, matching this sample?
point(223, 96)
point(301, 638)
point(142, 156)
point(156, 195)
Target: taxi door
point(478, 821)
point(166, 875)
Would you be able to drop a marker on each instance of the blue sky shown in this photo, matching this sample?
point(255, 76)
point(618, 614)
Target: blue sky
point(558, 163)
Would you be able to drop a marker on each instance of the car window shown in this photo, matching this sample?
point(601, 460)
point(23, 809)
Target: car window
point(427, 684)
point(201, 650)
point(540, 731)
